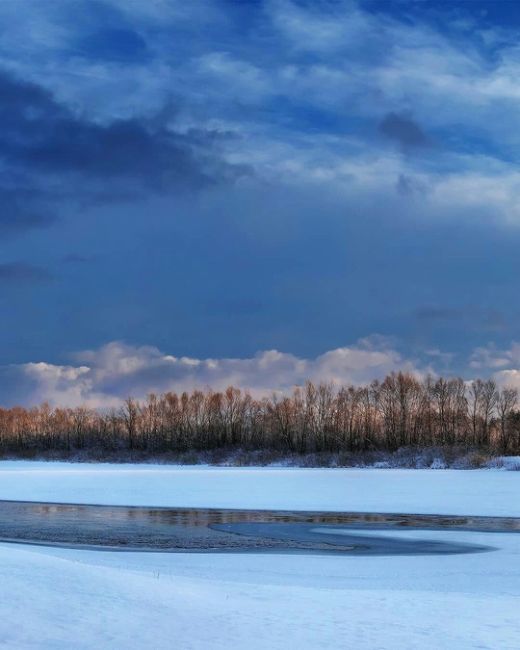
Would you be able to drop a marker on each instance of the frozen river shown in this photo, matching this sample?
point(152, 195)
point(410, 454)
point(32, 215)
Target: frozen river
point(52, 596)
point(236, 530)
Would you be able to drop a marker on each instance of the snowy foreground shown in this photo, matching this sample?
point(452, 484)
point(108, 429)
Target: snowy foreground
point(57, 598)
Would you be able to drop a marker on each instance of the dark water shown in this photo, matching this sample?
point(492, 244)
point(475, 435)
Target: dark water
point(207, 529)
point(355, 542)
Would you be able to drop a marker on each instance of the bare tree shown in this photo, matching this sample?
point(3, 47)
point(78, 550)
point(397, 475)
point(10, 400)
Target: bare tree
point(488, 401)
point(130, 413)
point(506, 402)
point(400, 410)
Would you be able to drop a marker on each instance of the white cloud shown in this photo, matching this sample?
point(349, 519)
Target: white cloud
point(502, 364)
point(490, 357)
point(508, 379)
point(116, 370)
point(315, 30)
point(105, 376)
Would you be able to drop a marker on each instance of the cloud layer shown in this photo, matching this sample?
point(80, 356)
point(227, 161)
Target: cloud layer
point(242, 176)
point(104, 377)
point(44, 142)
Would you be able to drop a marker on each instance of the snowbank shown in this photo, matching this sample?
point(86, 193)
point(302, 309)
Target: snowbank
point(87, 600)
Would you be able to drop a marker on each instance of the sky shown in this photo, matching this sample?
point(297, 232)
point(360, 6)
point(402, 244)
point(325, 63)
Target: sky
point(255, 192)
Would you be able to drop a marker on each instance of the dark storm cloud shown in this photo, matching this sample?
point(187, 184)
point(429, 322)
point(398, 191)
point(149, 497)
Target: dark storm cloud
point(21, 273)
point(16, 216)
point(403, 130)
point(40, 136)
point(114, 44)
point(333, 238)
point(409, 186)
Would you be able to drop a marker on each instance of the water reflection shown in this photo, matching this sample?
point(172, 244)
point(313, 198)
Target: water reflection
point(202, 517)
point(193, 528)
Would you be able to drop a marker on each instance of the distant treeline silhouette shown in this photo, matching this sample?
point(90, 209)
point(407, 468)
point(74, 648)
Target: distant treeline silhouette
point(386, 415)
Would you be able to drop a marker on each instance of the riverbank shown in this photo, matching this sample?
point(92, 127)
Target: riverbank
point(404, 458)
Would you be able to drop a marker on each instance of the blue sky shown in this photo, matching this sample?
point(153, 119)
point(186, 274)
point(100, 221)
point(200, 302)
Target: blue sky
point(217, 179)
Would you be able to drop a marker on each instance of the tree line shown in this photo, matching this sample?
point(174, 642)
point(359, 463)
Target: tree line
point(400, 411)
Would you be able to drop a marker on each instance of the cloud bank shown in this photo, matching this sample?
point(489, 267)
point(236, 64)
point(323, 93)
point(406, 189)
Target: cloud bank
point(105, 376)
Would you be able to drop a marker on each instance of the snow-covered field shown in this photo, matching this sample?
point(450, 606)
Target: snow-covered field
point(57, 598)
point(475, 492)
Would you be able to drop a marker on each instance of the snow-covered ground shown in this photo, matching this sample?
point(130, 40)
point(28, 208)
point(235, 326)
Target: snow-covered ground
point(57, 598)
point(471, 492)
